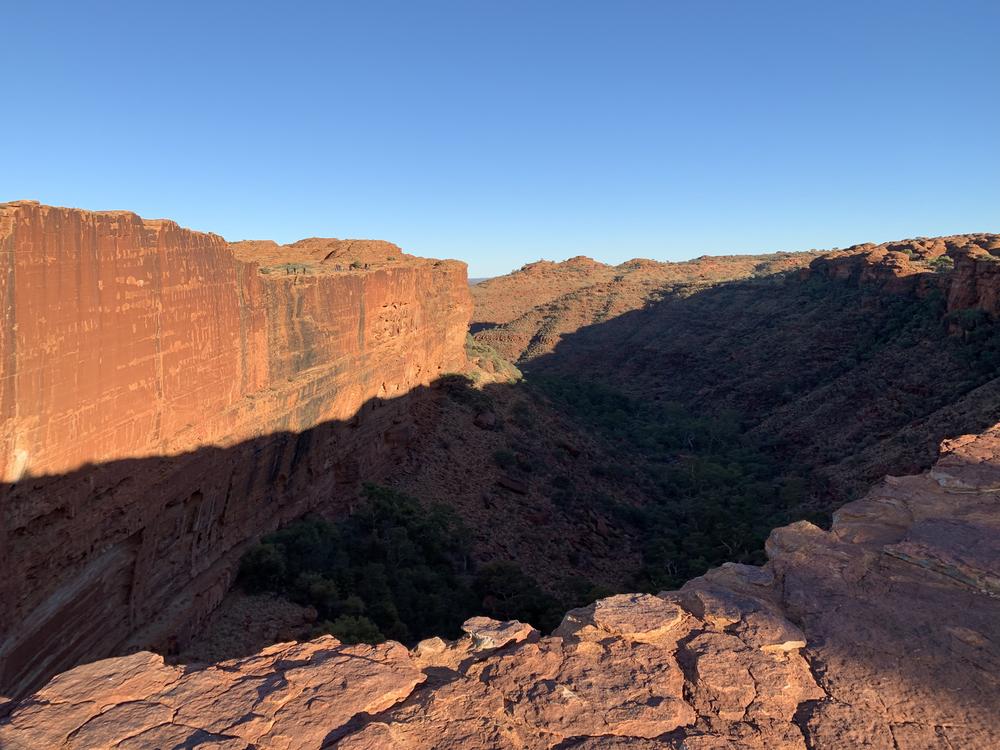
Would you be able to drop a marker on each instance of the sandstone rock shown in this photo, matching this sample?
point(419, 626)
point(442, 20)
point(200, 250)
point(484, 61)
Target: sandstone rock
point(563, 689)
point(487, 633)
point(908, 266)
point(634, 617)
point(975, 281)
point(163, 401)
point(429, 647)
point(290, 696)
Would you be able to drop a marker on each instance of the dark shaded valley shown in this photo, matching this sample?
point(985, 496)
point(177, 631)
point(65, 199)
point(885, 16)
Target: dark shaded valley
point(644, 449)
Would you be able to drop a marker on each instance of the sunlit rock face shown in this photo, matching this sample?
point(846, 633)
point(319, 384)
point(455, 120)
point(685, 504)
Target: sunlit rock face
point(882, 633)
point(166, 396)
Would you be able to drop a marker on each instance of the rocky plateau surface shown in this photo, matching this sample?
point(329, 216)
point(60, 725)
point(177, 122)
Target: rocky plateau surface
point(880, 633)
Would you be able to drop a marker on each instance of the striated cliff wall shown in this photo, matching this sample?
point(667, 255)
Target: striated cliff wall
point(165, 396)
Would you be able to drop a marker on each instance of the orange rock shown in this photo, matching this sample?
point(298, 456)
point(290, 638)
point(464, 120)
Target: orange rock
point(907, 266)
point(254, 381)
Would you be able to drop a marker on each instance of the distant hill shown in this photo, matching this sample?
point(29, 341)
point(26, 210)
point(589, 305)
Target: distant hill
point(525, 313)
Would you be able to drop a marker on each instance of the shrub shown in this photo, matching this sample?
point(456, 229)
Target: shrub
point(351, 629)
point(712, 494)
point(942, 264)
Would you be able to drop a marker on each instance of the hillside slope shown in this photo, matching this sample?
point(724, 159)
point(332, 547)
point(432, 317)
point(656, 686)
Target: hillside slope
point(525, 313)
point(855, 367)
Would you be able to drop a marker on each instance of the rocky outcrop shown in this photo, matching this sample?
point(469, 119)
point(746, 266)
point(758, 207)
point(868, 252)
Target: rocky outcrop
point(880, 633)
point(975, 282)
point(166, 397)
point(924, 264)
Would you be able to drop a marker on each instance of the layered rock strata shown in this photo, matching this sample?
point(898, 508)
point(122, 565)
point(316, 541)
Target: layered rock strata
point(880, 633)
point(166, 397)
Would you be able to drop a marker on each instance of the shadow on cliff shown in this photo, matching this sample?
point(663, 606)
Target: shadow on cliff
point(136, 553)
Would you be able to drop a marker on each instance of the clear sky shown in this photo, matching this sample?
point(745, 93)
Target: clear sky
point(502, 132)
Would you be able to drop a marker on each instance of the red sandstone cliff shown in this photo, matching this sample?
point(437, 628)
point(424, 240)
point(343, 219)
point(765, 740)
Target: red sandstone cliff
point(165, 396)
point(881, 633)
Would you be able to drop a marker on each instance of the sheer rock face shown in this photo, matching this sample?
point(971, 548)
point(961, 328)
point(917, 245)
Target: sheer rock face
point(166, 396)
point(881, 633)
point(976, 279)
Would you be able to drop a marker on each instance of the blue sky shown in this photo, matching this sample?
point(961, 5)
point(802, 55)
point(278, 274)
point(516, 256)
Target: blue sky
point(504, 132)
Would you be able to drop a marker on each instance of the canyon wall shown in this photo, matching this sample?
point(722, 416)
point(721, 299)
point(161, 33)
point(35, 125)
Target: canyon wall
point(527, 313)
point(166, 396)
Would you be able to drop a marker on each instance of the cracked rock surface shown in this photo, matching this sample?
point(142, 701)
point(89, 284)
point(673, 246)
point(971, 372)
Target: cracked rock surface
point(881, 633)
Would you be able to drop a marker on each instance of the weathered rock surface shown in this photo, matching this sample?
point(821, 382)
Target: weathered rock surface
point(525, 314)
point(881, 633)
point(165, 397)
point(923, 264)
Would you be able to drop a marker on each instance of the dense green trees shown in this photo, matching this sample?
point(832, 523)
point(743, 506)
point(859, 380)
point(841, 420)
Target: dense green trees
point(391, 569)
point(712, 494)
